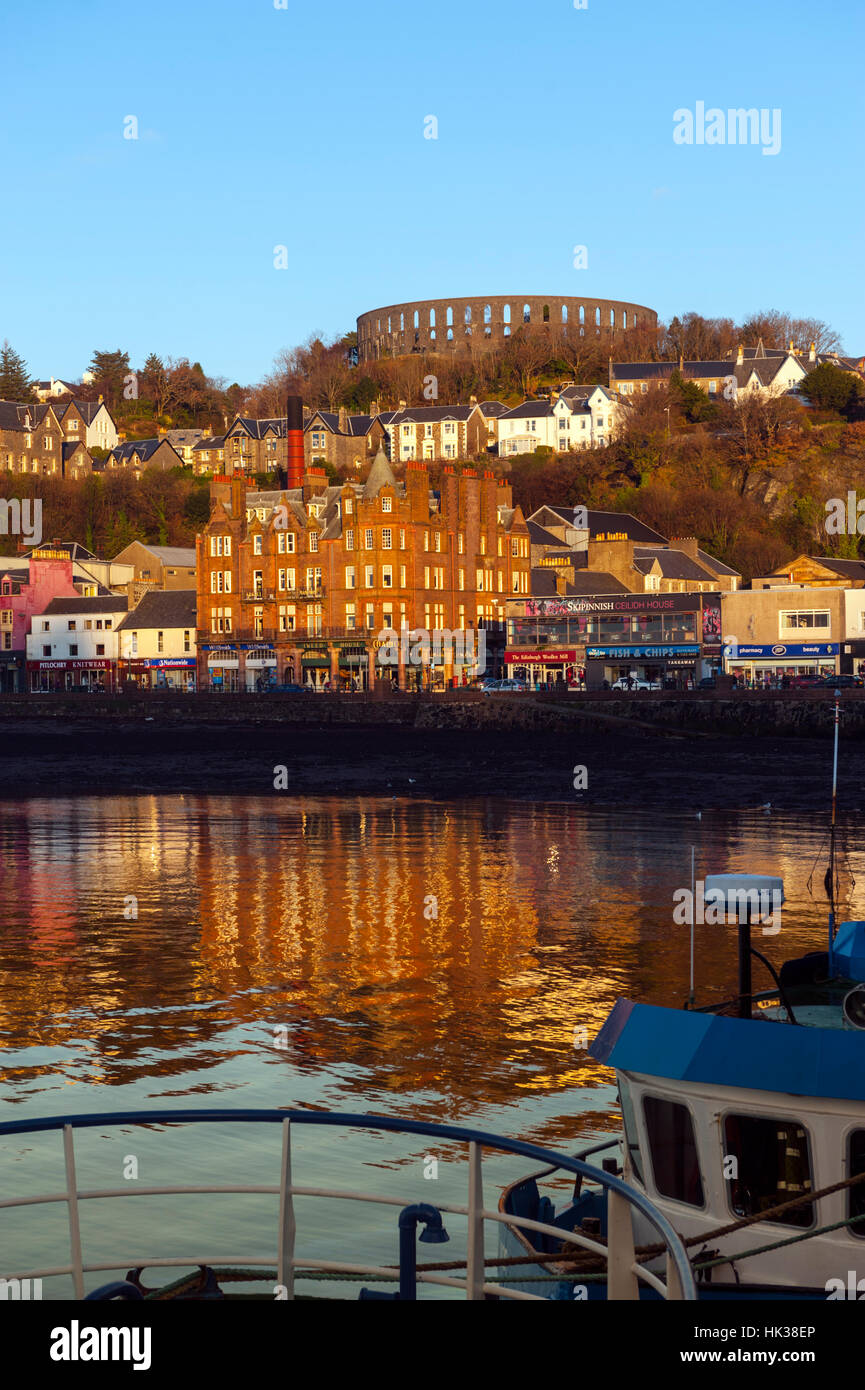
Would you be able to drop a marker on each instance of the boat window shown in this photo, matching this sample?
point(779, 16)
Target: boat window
point(856, 1195)
point(629, 1124)
point(772, 1165)
point(674, 1150)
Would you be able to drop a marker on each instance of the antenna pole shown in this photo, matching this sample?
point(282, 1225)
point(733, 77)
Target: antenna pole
point(832, 833)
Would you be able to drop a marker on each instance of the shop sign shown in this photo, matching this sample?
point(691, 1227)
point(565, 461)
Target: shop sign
point(641, 653)
point(612, 603)
point(534, 658)
point(784, 649)
point(81, 665)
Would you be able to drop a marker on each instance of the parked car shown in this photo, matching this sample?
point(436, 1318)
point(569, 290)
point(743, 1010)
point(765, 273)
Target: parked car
point(485, 683)
point(808, 682)
point(844, 682)
point(288, 688)
point(707, 683)
point(505, 687)
point(634, 683)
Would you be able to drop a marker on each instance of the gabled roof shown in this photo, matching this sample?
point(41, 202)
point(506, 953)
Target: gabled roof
point(144, 448)
point(88, 410)
point(163, 608)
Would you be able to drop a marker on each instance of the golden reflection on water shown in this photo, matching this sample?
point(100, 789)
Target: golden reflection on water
point(429, 956)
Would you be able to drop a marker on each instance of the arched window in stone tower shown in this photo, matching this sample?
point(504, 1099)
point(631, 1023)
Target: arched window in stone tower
point(527, 313)
point(450, 316)
point(546, 313)
point(564, 313)
point(488, 321)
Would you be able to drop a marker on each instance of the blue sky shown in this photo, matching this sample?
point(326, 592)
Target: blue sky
point(304, 127)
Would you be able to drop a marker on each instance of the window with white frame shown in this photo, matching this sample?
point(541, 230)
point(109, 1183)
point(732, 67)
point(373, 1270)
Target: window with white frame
point(805, 620)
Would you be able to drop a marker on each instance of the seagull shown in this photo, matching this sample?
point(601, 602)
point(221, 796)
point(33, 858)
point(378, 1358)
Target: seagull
point(699, 815)
point(412, 780)
point(767, 806)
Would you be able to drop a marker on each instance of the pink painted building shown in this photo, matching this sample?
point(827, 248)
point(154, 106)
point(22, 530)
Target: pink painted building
point(27, 586)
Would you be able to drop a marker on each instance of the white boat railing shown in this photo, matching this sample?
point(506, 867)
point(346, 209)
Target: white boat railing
point(624, 1271)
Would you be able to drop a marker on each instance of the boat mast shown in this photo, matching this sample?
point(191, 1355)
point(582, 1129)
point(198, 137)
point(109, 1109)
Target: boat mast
point(830, 877)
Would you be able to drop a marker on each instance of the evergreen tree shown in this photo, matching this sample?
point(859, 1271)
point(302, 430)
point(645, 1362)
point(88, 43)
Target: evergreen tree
point(15, 381)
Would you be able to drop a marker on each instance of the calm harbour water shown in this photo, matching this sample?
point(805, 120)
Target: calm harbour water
point(421, 959)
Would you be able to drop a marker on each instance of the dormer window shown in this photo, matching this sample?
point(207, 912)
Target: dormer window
point(387, 504)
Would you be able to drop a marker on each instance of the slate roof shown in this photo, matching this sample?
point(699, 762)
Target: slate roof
point(659, 371)
point(428, 414)
point(144, 448)
point(717, 566)
point(850, 569)
point(172, 554)
point(538, 536)
point(528, 410)
point(543, 584)
point(675, 564)
point(610, 521)
point(163, 608)
point(183, 437)
point(107, 603)
point(88, 410)
point(380, 475)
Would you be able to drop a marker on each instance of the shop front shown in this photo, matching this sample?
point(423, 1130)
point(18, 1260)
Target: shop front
point(223, 664)
point(83, 674)
point(774, 663)
point(315, 667)
point(260, 665)
point(668, 638)
point(159, 672)
point(661, 666)
point(12, 665)
point(548, 666)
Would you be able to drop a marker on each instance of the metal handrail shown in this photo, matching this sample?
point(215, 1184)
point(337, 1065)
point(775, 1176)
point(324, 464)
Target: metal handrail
point(624, 1271)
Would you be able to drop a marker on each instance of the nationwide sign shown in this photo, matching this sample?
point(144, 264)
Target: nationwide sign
point(160, 663)
point(787, 649)
point(641, 653)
